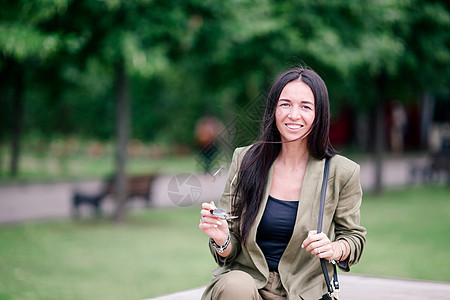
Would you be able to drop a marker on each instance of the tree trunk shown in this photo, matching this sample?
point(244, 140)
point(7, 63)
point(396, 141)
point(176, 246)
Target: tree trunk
point(380, 135)
point(426, 119)
point(16, 128)
point(379, 149)
point(3, 134)
point(122, 115)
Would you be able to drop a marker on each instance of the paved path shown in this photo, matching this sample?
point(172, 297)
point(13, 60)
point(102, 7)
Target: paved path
point(363, 287)
point(53, 200)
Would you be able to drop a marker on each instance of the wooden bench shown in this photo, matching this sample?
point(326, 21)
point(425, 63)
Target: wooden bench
point(138, 187)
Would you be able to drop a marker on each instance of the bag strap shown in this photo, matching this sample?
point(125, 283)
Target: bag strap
point(326, 171)
point(319, 230)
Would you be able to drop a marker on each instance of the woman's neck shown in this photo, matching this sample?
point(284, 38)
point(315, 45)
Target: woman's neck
point(293, 154)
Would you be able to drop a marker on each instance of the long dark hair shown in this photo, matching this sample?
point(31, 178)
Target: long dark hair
point(254, 169)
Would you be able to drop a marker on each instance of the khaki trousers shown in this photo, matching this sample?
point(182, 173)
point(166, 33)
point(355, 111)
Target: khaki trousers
point(238, 285)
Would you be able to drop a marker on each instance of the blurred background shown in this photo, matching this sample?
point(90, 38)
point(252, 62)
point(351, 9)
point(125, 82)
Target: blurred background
point(115, 115)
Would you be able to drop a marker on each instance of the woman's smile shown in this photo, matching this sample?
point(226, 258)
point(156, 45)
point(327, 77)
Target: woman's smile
point(294, 126)
point(295, 111)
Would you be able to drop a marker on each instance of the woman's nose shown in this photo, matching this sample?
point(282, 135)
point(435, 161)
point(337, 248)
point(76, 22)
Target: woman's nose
point(294, 114)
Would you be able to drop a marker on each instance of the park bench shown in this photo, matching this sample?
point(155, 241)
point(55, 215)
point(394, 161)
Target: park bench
point(138, 187)
point(436, 166)
point(440, 162)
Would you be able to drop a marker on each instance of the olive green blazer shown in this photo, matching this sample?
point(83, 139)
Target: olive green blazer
point(300, 272)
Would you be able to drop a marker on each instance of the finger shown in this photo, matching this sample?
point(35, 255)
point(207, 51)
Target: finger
point(320, 236)
point(206, 206)
point(315, 240)
point(208, 229)
point(311, 238)
point(322, 241)
point(313, 246)
point(205, 226)
point(209, 220)
point(312, 232)
point(323, 252)
point(317, 236)
point(320, 248)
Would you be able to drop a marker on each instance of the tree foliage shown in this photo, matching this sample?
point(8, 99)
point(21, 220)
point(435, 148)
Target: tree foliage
point(187, 58)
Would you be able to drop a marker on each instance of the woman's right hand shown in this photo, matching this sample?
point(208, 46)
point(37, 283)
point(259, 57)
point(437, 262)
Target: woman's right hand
point(212, 226)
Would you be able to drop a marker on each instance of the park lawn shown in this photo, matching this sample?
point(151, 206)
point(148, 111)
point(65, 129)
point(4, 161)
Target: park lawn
point(154, 253)
point(408, 234)
point(160, 251)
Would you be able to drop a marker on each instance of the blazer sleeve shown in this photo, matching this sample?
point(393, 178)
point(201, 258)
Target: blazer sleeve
point(225, 203)
point(347, 219)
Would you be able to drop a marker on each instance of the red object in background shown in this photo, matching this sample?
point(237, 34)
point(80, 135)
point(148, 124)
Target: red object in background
point(341, 128)
point(412, 139)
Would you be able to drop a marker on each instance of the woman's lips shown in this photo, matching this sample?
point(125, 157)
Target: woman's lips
point(294, 126)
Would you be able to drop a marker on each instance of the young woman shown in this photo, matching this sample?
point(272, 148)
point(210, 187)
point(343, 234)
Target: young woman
point(272, 251)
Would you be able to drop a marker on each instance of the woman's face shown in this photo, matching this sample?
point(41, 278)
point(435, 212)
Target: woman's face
point(295, 110)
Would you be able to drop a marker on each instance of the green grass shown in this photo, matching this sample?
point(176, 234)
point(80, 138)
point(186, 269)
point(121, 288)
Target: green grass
point(160, 251)
point(408, 234)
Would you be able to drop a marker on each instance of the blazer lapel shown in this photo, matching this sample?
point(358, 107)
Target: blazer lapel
point(308, 208)
point(255, 252)
point(307, 215)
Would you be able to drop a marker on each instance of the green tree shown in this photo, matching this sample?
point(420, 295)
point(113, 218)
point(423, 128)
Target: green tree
point(23, 47)
point(117, 37)
point(176, 61)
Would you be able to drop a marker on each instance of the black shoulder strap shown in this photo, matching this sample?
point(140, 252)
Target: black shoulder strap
point(319, 229)
point(326, 170)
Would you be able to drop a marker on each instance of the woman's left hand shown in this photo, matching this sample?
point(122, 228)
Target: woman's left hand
point(319, 245)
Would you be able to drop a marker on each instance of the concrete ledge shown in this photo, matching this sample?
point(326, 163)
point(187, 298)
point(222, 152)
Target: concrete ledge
point(355, 287)
point(185, 295)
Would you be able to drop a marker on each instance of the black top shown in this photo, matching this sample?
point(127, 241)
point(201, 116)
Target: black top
point(275, 229)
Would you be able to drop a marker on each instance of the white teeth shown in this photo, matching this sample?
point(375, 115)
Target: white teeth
point(293, 126)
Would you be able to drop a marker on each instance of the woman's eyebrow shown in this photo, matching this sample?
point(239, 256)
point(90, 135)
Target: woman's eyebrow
point(307, 102)
point(303, 101)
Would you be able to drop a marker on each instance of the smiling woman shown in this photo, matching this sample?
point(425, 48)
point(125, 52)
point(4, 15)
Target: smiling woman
point(295, 111)
point(271, 250)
